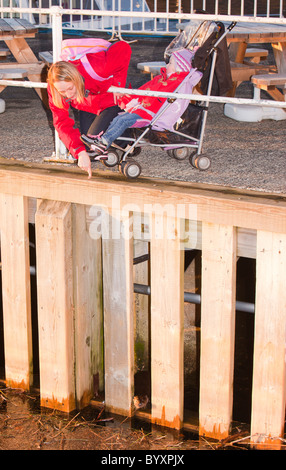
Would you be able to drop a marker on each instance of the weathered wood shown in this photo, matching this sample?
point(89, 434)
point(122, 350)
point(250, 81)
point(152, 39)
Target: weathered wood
point(279, 50)
point(269, 79)
point(118, 298)
point(66, 275)
point(12, 73)
point(4, 52)
point(217, 329)
point(241, 72)
point(47, 57)
point(268, 396)
point(141, 306)
point(167, 321)
point(18, 26)
point(55, 305)
point(269, 82)
point(21, 51)
point(16, 291)
point(33, 68)
point(215, 204)
point(87, 271)
point(256, 54)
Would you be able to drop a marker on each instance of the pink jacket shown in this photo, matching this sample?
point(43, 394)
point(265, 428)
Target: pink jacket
point(112, 64)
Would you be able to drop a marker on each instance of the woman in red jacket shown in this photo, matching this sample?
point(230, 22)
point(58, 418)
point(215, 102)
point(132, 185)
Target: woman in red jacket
point(70, 85)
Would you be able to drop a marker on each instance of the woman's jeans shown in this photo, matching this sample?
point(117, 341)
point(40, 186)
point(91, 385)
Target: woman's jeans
point(92, 124)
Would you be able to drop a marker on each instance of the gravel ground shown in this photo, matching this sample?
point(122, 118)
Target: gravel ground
point(243, 155)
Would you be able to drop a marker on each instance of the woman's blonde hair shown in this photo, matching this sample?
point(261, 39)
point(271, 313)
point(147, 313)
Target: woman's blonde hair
point(66, 72)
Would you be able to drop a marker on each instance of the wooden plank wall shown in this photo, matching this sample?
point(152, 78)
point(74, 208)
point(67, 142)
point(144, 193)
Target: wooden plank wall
point(86, 300)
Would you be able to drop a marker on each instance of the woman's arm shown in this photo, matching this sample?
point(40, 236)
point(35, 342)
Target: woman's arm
point(65, 126)
point(70, 136)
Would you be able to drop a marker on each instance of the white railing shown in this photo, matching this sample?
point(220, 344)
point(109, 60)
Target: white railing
point(158, 17)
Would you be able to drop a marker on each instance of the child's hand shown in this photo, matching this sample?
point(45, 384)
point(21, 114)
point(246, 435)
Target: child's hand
point(121, 104)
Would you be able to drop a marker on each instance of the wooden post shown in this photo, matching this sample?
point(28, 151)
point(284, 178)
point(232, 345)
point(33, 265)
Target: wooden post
point(118, 312)
point(167, 321)
point(87, 269)
point(141, 303)
point(268, 397)
point(217, 329)
point(55, 305)
point(16, 291)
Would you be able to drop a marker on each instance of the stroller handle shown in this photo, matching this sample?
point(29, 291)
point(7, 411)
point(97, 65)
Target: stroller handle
point(231, 26)
point(228, 29)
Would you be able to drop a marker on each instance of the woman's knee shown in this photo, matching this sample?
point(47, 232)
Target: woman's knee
point(102, 121)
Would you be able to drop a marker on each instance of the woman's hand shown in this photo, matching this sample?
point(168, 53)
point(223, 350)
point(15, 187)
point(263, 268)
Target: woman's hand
point(117, 97)
point(84, 162)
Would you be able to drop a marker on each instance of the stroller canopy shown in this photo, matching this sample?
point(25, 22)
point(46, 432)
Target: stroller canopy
point(193, 36)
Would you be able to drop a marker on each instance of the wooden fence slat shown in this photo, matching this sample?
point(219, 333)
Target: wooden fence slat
point(167, 321)
point(55, 304)
point(118, 302)
point(217, 329)
point(268, 396)
point(87, 269)
point(141, 306)
point(16, 291)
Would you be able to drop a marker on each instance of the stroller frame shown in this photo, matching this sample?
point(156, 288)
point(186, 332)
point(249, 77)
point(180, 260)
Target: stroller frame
point(132, 169)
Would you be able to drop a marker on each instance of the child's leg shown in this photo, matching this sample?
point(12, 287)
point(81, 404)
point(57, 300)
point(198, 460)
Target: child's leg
point(119, 124)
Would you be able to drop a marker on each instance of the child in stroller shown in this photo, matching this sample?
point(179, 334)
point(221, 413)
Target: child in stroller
point(140, 110)
point(175, 125)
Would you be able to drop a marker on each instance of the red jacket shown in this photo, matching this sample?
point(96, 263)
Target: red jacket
point(112, 63)
point(148, 106)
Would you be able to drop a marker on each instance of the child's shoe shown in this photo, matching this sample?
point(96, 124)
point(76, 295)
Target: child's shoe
point(93, 143)
point(87, 140)
point(97, 149)
point(95, 156)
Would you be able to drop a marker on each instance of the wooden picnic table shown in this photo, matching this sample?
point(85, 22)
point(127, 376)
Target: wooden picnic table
point(14, 33)
point(244, 34)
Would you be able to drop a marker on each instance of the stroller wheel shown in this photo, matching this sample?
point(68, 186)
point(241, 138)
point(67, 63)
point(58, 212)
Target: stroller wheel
point(200, 161)
point(179, 153)
point(131, 169)
point(121, 167)
point(112, 160)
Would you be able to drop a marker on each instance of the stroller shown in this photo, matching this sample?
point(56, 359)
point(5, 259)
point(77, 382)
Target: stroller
point(178, 127)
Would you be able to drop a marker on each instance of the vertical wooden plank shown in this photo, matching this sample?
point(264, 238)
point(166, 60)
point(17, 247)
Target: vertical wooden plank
point(55, 304)
point(87, 269)
point(217, 329)
point(268, 397)
point(167, 321)
point(16, 291)
point(141, 306)
point(118, 312)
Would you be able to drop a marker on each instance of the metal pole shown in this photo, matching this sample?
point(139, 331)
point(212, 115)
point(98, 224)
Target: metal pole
point(192, 298)
point(57, 37)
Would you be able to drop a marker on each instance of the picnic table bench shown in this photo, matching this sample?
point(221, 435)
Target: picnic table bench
point(270, 82)
point(14, 32)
